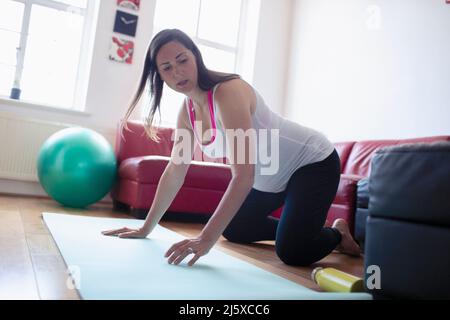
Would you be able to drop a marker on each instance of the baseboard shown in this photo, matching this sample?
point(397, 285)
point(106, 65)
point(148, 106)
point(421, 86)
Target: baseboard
point(30, 188)
point(25, 188)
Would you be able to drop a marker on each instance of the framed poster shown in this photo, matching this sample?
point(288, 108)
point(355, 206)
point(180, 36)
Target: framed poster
point(125, 23)
point(121, 50)
point(129, 4)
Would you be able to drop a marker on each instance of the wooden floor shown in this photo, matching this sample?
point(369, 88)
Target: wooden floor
point(31, 266)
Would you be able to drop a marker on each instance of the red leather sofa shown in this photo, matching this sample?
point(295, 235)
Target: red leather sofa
point(142, 161)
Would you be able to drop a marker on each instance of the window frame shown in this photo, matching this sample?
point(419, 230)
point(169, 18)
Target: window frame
point(80, 90)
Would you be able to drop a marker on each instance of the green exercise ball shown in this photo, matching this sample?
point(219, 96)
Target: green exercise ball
point(76, 167)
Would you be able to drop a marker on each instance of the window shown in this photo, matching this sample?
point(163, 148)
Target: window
point(215, 26)
point(45, 46)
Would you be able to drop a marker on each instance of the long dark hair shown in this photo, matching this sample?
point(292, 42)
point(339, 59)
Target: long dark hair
point(207, 79)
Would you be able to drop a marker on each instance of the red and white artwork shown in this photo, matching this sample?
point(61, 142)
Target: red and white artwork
point(121, 50)
point(129, 4)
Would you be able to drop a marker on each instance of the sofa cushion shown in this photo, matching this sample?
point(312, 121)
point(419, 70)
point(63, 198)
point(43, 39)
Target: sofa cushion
point(208, 175)
point(362, 152)
point(148, 169)
point(412, 182)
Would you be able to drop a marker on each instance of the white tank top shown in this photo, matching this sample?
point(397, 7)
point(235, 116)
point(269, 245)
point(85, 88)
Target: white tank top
point(298, 145)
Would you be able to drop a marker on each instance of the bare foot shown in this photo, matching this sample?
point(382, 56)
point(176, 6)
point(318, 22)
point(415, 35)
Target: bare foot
point(347, 245)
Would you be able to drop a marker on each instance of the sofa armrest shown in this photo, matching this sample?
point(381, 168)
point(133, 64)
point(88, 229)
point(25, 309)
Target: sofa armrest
point(147, 169)
point(201, 175)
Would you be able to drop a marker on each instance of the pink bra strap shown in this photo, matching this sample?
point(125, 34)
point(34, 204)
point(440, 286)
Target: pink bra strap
point(190, 108)
point(211, 114)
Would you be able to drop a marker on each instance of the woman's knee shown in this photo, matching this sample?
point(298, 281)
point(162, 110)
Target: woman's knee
point(294, 255)
point(234, 234)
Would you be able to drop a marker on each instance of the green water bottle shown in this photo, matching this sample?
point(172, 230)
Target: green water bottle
point(333, 280)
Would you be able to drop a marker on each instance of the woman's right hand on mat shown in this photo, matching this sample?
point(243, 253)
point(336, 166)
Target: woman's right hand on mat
point(126, 233)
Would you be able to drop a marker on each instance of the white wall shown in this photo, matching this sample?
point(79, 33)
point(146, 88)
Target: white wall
point(272, 51)
point(370, 69)
point(113, 84)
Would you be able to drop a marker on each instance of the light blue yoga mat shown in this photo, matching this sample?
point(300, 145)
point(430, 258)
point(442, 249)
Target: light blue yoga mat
point(114, 268)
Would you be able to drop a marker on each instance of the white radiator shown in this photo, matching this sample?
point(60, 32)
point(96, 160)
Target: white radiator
point(20, 141)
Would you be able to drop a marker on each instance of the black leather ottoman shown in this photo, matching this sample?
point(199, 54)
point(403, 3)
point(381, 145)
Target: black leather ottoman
point(408, 229)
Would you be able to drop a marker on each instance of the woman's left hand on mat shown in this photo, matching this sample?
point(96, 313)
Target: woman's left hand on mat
point(180, 250)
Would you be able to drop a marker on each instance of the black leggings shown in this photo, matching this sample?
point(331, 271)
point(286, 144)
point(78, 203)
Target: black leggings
point(300, 238)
